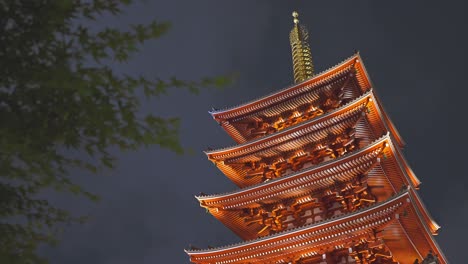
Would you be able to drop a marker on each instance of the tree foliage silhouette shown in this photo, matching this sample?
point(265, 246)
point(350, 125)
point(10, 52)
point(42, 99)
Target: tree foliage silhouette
point(59, 95)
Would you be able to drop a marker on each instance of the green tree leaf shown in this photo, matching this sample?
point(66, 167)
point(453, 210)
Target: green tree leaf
point(58, 97)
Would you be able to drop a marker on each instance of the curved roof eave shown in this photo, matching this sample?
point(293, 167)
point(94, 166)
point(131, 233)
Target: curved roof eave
point(307, 170)
point(289, 232)
point(404, 166)
point(429, 224)
point(387, 120)
point(408, 193)
point(264, 99)
point(287, 130)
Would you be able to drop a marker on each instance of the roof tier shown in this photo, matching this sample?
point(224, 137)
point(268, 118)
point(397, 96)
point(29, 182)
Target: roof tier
point(245, 164)
point(298, 103)
point(400, 222)
point(381, 162)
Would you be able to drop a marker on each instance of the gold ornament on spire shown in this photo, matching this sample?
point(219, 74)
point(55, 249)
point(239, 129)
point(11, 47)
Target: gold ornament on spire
point(301, 55)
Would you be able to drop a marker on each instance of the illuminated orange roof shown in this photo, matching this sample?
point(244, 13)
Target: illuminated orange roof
point(403, 226)
point(230, 160)
point(291, 91)
point(296, 95)
point(389, 173)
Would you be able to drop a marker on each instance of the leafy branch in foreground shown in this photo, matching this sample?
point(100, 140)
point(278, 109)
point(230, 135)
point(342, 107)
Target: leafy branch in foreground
point(59, 96)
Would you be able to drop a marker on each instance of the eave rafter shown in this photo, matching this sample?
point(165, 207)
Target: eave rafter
point(313, 177)
point(342, 230)
point(312, 236)
point(314, 125)
point(234, 161)
point(381, 154)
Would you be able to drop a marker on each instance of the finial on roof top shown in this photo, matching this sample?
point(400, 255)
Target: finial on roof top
point(295, 15)
point(301, 55)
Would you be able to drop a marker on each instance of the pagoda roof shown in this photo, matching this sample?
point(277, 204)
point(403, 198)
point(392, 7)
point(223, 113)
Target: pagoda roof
point(360, 158)
point(290, 91)
point(316, 124)
point(400, 219)
point(392, 174)
point(293, 137)
point(275, 100)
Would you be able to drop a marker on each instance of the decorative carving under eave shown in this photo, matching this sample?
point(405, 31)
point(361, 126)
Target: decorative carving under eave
point(369, 250)
point(344, 198)
point(337, 199)
point(332, 147)
point(372, 252)
point(330, 100)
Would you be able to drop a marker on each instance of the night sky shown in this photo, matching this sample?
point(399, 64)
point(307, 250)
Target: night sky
point(414, 51)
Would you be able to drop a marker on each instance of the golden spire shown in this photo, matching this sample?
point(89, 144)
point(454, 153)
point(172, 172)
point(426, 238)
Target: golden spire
point(301, 55)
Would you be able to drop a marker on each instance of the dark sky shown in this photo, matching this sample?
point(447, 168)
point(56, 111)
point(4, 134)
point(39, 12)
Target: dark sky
point(416, 55)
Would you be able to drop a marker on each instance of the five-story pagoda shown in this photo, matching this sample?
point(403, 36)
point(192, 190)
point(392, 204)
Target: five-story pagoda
point(321, 175)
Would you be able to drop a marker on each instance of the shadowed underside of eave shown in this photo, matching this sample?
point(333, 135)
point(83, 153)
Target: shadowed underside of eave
point(378, 161)
point(293, 96)
point(397, 220)
point(231, 160)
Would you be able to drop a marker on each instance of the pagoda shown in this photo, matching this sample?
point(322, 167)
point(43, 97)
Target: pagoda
point(321, 175)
